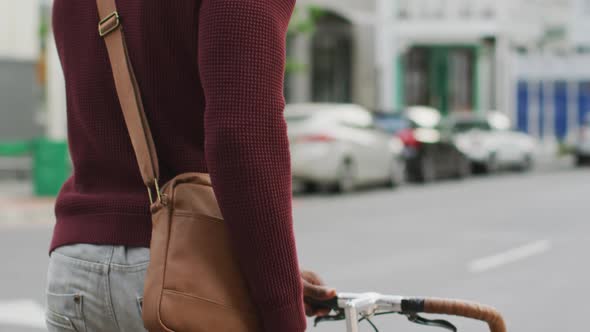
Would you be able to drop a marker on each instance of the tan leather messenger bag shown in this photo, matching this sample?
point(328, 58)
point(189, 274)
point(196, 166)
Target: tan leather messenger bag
point(193, 283)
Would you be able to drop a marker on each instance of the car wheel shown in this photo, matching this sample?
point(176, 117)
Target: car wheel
point(491, 165)
point(463, 168)
point(427, 171)
point(309, 187)
point(580, 161)
point(397, 172)
point(346, 181)
point(526, 164)
point(478, 168)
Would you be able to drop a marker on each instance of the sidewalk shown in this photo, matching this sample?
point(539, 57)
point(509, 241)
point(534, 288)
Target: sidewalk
point(547, 158)
point(19, 207)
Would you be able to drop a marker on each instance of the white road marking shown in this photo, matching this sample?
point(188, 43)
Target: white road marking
point(22, 313)
point(510, 256)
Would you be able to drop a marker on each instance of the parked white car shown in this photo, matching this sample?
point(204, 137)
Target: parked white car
point(337, 146)
point(489, 142)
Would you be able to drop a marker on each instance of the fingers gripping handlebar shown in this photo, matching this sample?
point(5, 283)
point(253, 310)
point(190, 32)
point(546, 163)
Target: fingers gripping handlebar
point(412, 306)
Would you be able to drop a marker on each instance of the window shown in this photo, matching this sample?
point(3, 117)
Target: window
point(332, 60)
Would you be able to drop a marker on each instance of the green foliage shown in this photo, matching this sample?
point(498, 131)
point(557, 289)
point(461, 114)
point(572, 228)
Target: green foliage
point(302, 24)
point(316, 12)
point(294, 66)
point(43, 27)
point(305, 23)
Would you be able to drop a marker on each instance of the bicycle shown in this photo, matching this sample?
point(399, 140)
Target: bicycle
point(356, 308)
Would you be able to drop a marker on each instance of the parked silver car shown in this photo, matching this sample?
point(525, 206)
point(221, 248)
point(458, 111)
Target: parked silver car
point(337, 146)
point(489, 142)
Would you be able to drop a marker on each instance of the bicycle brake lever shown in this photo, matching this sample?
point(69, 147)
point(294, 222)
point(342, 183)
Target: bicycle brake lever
point(331, 304)
point(339, 315)
point(432, 322)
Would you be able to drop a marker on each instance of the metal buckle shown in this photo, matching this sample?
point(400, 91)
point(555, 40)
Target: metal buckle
point(158, 193)
point(112, 28)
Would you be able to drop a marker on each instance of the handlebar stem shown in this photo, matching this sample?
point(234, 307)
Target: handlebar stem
point(366, 305)
point(351, 315)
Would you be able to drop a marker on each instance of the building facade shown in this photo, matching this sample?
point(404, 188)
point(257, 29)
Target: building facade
point(549, 72)
point(455, 55)
point(19, 55)
point(398, 53)
point(338, 57)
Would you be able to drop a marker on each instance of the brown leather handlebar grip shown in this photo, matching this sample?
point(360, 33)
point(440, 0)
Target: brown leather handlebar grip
point(468, 310)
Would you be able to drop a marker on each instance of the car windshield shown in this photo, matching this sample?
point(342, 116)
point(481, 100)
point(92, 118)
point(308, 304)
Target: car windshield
point(296, 118)
point(392, 124)
point(464, 126)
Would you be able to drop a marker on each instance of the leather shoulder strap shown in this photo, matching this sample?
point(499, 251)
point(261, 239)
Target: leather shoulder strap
point(128, 92)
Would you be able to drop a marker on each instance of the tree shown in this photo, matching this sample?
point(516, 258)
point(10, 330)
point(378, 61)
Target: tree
point(303, 21)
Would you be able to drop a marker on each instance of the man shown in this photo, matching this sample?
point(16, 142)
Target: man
point(211, 77)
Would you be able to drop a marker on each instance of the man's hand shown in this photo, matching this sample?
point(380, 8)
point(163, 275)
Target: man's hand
point(313, 287)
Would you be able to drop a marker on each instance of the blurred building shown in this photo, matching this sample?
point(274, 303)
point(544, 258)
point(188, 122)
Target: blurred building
point(19, 58)
point(388, 54)
point(527, 58)
point(455, 55)
point(448, 53)
point(550, 71)
point(339, 56)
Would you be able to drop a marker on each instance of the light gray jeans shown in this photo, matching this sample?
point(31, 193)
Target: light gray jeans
point(92, 288)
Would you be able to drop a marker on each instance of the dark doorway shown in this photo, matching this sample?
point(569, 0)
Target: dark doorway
point(443, 77)
point(332, 47)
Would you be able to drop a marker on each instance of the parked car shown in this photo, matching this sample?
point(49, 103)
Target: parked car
point(490, 144)
point(429, 150)
point(337, 146)
point(582, 149)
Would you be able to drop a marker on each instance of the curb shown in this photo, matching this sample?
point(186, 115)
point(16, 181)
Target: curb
point(26, 211)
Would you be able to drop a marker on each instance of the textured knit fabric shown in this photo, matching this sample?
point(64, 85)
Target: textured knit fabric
point(211, 76)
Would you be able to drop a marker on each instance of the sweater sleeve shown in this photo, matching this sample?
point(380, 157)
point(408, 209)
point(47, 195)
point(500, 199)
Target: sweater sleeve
point(241, 63)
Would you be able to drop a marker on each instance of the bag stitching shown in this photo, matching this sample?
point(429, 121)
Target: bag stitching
point(199, 215)
point(169, 227)
point(225, 306)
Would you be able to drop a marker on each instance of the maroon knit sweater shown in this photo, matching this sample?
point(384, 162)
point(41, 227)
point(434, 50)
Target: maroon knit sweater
point(211, 75)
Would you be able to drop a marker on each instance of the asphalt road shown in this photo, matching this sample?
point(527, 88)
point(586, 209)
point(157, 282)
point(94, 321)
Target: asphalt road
point(432, 240)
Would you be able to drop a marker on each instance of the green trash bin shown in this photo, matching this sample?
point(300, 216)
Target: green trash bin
point(15, 148)
point(51, 166)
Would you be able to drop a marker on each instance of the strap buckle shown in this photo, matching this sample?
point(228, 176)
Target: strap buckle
point(158, 192)
point(109, 24)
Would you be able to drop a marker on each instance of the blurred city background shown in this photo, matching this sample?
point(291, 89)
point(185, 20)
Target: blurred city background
point(438, 148)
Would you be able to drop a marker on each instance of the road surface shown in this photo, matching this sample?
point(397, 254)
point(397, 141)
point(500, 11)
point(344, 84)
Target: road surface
point(518, 242)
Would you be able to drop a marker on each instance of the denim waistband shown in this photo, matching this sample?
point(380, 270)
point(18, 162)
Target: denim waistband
point(101, 257)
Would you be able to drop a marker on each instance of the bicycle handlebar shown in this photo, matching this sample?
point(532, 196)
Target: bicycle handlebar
point(369, 304)
point(466, 309)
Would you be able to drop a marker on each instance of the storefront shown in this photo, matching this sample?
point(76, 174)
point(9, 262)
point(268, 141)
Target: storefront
point(444, 77)
point(20, 91)
point(552, 98)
